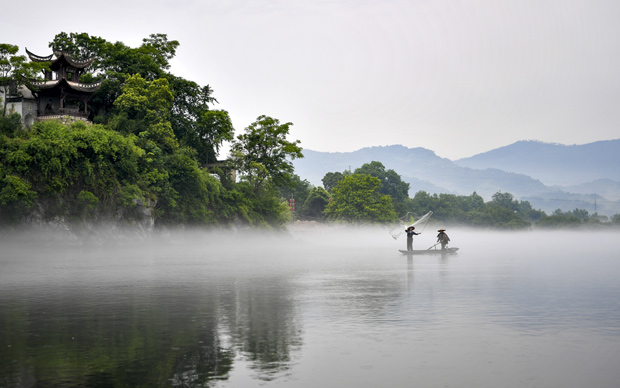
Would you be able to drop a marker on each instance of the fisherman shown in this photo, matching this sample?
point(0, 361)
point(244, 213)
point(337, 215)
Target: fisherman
point(410, 234)
point(443, 238)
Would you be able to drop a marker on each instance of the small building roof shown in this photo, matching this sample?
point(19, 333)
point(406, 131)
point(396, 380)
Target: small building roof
point(58, 56)
point(77, 86)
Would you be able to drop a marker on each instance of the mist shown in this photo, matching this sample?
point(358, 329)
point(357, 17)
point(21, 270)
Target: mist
point(310, 306)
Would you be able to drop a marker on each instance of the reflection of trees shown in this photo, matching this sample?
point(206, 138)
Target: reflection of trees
point(156, 336)
point(262, 322)
point(111, 339)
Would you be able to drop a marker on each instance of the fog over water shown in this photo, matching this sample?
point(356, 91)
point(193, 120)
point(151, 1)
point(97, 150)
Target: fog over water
point(328, 307)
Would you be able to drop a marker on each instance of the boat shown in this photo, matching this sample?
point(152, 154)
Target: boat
point(447, 251)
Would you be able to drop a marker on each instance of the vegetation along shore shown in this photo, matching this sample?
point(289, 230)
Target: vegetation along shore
point(143, 153)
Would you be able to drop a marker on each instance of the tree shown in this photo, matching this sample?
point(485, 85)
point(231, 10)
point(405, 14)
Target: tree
point(16, 71)
point(10, 124)
point(83, 46)
point(315, 204)
point(146, 100)
point(263, 154)
point(194, 123)
point(297, 189)
point(505, 200)
point(391, 184)
point(358, 199)
point(160, 49)
point(147, 105)
point(211, 130)
point(54, 164)
point(331, 179)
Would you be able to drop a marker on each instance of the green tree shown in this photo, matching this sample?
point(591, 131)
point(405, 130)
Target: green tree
point(191, 195)
point(505, 200)
point(10, 124)
point(331, 179)
point(195, 123)
point(211, 130)
point(160, 49)
point(53, 165)
point(16, 198)
point(358, 199)
point(150, 101)
point(264, 155)
point(559, 219)
point(192, 120)
point(16, 71)
point(314, 205)
point(146, 105)
point(82, 46)
point(391, 182)
point(296, 189)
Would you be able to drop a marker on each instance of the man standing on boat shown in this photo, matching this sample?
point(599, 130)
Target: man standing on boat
point(410, 234)
point(443, 238)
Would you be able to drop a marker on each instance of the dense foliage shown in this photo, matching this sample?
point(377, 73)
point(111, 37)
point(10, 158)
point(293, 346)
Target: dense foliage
point(151, 157)
point(358, 199)
point(501, 212)
point(391, 184)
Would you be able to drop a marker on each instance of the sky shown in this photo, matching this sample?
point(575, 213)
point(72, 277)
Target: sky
point(458, 77)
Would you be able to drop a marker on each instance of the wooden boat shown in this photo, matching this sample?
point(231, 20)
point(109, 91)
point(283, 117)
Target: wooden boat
point(429, 251)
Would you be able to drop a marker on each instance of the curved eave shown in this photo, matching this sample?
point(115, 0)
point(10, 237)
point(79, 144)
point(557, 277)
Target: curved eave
point(85, 87)
point(47, 85)
point(80, 64)
point(58, 54)
point(37, 58)
point(42, 85)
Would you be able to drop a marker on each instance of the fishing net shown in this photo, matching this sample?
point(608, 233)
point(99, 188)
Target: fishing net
point(396, 231)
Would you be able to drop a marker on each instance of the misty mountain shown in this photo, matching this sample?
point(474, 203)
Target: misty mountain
point(424, 170)
point(604, 187)
point(421, 168)
point(553, 164)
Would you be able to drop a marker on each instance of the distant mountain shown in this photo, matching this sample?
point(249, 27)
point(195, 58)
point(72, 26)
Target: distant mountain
point(421, 168)
point(553, 164)
point(424, 170)
point(603, 187)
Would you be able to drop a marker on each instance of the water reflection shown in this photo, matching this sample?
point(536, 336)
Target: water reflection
point(198, 311)
point(97, 319)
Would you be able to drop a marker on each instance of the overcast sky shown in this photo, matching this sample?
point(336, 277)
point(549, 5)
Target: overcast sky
point(455, 77)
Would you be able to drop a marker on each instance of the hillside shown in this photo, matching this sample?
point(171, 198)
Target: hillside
point(553, 164)
point(421, 168)
point(424, 170)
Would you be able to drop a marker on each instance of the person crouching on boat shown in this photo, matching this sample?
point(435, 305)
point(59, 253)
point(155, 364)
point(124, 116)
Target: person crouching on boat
point(443, 238)
point(410, 234)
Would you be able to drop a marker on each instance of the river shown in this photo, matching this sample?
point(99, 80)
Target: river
point(324, 307)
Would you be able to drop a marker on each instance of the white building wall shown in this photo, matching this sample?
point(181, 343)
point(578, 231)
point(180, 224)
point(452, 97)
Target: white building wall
point(25, 106)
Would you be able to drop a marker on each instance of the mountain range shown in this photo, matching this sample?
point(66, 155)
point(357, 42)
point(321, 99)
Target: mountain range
point(549, 176)
point(554, 164)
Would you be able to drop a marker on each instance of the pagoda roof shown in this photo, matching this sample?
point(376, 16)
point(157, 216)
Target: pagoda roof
point(58, 55)
point(77, 86)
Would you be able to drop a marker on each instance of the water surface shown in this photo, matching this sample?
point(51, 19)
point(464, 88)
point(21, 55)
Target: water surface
point(312, 308)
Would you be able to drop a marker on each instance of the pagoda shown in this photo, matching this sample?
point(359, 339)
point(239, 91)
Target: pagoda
point(61, 93)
